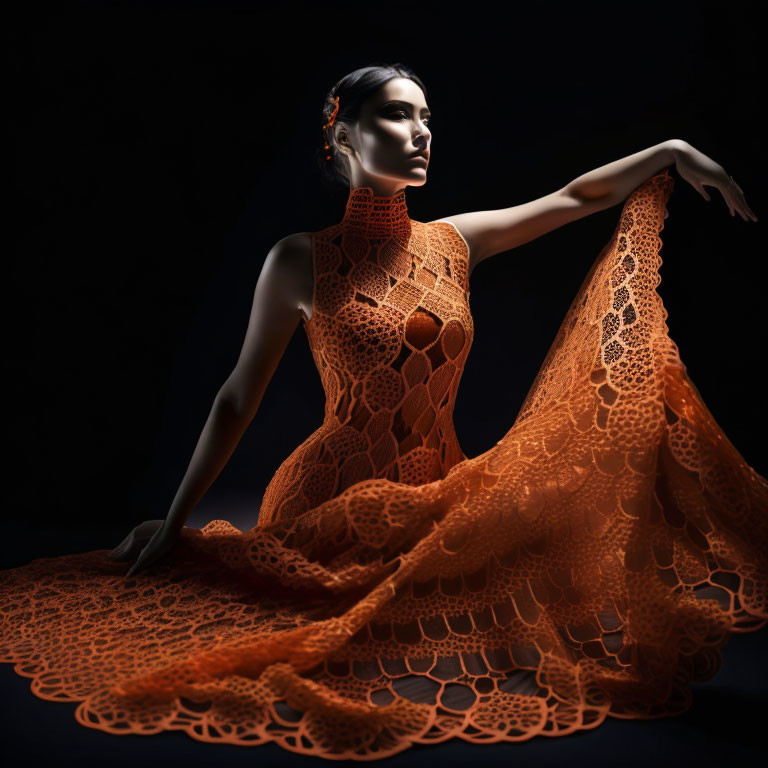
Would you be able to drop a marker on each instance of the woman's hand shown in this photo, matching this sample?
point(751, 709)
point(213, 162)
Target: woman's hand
point(151, 541)
point(699, 170)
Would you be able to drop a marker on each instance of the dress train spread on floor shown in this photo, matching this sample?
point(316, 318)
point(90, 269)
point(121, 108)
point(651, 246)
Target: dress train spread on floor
point(592, 563)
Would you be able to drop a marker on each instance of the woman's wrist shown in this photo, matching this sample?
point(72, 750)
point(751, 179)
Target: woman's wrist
point(677, 147)
point(173, 524)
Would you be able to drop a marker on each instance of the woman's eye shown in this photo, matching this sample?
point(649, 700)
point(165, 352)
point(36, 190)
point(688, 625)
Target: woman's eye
point(405, 114)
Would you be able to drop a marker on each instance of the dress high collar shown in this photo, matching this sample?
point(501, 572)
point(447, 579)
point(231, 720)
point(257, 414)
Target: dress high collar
point(376, 215)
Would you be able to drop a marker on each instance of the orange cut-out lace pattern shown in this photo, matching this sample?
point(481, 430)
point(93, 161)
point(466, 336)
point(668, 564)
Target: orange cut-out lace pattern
point(592, 563)
point(390, 332)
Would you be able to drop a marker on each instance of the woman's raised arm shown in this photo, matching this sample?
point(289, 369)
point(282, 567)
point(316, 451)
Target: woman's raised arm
point(494, 231)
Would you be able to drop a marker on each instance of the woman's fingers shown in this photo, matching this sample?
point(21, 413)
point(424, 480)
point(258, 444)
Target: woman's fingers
point(727, 199)
point(132, 544)
point(135, 567)
point(733, 199)
point(748, 212)
point(138, 565)
point(146, 557)
point(122, 548)
point(728, 203)
point(732, 193)
point(699, 187)
point(739, 201)
point(128, 547)
point(157, 548)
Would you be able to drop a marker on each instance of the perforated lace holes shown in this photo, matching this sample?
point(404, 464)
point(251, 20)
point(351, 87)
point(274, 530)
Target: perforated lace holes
point(454, 338)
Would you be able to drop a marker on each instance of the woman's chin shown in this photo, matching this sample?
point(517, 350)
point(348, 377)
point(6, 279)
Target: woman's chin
point(419, 179)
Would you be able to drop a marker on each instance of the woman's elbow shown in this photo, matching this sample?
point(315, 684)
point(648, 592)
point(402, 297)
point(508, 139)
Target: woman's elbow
point(236, 398)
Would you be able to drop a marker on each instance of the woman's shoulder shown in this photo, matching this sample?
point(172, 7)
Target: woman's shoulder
point(294, 251)
point(294, 255)
point(297, 243)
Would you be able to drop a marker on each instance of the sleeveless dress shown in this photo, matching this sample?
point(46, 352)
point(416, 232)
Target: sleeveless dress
point(592, 563)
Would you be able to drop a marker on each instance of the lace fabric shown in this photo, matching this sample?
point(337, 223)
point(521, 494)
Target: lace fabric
point(590, 564)
point(390, 332)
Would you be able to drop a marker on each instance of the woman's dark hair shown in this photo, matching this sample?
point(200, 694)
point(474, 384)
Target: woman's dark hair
point(353, 89)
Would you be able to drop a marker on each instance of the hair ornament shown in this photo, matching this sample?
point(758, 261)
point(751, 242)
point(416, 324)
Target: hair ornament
point(331, 121)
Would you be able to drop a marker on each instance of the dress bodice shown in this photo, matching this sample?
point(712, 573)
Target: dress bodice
point(390, 332)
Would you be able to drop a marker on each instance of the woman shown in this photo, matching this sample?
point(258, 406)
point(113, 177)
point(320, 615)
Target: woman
point(394, 591)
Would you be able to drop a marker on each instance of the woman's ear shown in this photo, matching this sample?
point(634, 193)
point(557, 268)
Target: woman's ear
point(342, 139)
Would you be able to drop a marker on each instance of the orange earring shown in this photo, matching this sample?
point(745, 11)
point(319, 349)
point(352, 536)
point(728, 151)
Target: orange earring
point(331, 121)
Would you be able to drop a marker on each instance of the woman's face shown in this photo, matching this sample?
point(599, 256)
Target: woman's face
point(389, 146)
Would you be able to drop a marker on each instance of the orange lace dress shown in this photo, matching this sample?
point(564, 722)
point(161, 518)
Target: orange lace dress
point(591, 563)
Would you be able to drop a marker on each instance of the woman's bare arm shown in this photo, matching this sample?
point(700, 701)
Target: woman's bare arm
point(274, 316)
point(490, 232)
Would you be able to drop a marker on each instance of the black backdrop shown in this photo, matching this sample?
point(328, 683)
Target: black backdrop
point(158, 150)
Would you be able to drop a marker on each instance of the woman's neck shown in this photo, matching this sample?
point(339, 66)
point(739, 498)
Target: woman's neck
point(376, 215)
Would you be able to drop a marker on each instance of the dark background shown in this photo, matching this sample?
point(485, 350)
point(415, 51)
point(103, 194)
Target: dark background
point(159, 150)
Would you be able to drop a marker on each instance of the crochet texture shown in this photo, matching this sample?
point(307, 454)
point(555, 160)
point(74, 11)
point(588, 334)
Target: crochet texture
point(592, 563)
